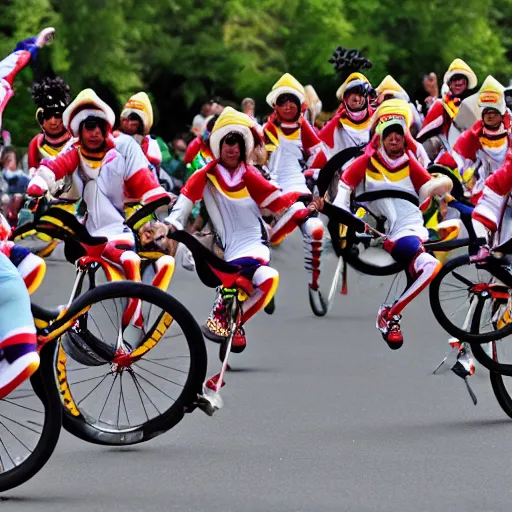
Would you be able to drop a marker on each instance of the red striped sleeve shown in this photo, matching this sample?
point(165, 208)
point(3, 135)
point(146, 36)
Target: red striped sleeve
point(64, 164)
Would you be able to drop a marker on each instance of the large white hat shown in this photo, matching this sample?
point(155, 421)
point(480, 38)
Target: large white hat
point(287, 84)
point(86, 104)
point(232, 121)
point(139, 104)
point(459, 67)
point(492, 95)
point(353, 80)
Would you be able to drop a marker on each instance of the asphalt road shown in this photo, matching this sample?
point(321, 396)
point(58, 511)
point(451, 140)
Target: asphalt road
point(320, 415)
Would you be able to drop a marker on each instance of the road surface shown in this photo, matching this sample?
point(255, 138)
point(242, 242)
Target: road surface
point(320, 415)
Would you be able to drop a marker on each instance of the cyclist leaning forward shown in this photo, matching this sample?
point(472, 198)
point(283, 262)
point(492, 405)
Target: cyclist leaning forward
point(233, 192)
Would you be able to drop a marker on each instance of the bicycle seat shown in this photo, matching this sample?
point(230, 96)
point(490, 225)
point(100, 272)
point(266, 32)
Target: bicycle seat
point(212, 270)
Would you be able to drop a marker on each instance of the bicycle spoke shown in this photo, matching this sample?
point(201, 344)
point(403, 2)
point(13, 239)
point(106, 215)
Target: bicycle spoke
point(19, 424)
point(86, 380)
point(159, 376)
point(124, 405)
point(119, 401)
point(462, 279)
point(93, 389)
point(22, 406)
point(152, 385)
point(163, 365)
point(16, 437)
point(139, 389)
point(6, 451)
point(108, 395)
point(109, 317)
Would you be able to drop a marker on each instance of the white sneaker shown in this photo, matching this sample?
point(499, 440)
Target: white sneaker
point(45, 37)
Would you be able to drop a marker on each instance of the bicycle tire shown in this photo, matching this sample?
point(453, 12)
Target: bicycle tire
point(43, 384)
point(497, 382)
point(80, 427)
point(444, 321)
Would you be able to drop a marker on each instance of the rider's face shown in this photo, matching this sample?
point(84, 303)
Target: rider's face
point(354, 100)
point(287, 111)
point(92, 137)
point(54, 125)
point(130, 126)
point(230, 155)
point(394, 144)
point(458, 86)
point(492, 118)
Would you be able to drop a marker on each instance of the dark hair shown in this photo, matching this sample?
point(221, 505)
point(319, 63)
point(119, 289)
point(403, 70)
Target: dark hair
point(50, 93)
point(346, 62)
point(100, 122)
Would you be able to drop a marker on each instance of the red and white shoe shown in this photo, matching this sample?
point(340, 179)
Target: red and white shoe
point(390, 327)
point(46, 36)
point(17, 364)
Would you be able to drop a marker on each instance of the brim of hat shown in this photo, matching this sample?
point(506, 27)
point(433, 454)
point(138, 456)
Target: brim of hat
point(273, 95)
point(93, 105)
point(351, 85)
point(217, 135)
point(395, 122)
point(472, 79)
point(499, 107)
point(399, 95)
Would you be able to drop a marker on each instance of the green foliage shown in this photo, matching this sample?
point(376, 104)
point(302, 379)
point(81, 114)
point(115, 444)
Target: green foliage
point(185, 51)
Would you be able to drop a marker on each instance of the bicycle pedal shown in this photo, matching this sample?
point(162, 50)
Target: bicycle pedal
point(205, 405)
point(460, 370)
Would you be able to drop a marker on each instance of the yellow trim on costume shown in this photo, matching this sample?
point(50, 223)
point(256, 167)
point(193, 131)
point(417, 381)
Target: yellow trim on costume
point(293, 136)
point(273, 138)
point(151, 255)
point(36, 283)
point(155, 337)
point(166, 280)
point(48, 151)
point(451, 108)
point(272, 291)
point(361, 126)
point(239, 194)
point(112, 273)
point(384, 173)
point(493, 143)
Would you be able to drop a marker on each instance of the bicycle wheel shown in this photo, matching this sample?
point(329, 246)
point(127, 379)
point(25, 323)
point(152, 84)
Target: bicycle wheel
point(126, 393)
point(30, 424)
point(456, 292)
point(496, 356)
